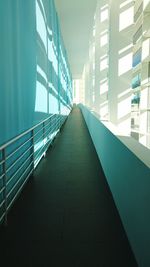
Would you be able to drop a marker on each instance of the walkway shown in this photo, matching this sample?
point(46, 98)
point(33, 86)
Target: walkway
point(66, 215)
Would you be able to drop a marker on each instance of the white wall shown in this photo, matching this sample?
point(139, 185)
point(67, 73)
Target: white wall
point(120, 63)
point(109, 72)
point(78, 91)
point(109, 69)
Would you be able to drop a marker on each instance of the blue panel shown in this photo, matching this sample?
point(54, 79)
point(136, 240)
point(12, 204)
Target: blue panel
point(136, 98)
point(137, 58)
point(136, 81)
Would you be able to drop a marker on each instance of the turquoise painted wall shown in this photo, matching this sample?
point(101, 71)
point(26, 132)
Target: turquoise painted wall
point(35, 82)
point(35, 78)
point(129, 182)
point(17, 67)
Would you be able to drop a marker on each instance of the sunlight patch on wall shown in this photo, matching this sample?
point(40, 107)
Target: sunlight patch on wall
point(124, 107)
point(53, 106)
point(145, 2)
point(103, 87)
point(104, 13)
point(126, 18)
point(41, 27)
point(144, 98)
point(42, 73)
point(145, 49)
point(104, 40)
point(143, 121)
point(125, 64)
point(93, 66)
point(41, 98)
point(103, 62)
point(50, 50)
point(104, 110)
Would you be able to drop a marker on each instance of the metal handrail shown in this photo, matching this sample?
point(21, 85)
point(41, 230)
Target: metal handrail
point(17, 160)
point(11, 154)
point(2, 203)
point(2, 189)
point(1, 177)
point(16, 169)
point(12, 201)
point(24, 133)
point(1, 162)
point(18, 179)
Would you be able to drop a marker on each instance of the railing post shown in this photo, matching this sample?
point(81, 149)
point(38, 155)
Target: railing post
point(43, 131)
point(5, 185)
point(33, 150)
point(44, 138)
point(59, 122)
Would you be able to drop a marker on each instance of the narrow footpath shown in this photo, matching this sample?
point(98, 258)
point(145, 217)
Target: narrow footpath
point(66, 215)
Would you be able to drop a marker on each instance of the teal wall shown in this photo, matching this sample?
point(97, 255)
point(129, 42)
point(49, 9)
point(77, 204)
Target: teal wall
point(35, 78)
point(17, 67)
point(35, 83)
point(129, 182)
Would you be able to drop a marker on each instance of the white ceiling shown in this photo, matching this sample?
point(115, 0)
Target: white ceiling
point(76, 20)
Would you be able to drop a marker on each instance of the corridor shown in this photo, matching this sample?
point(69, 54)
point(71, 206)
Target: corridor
point(65, 215)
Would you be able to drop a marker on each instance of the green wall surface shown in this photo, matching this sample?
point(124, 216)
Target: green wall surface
point(129, 182)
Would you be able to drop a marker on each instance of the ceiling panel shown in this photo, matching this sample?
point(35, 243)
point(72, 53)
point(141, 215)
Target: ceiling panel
point(76, 20)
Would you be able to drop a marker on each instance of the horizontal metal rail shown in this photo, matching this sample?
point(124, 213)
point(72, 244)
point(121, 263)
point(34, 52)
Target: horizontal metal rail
point(24, 133)
point(20, 156)
point(18, 159)
point(1, 177)
point(13, 153)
